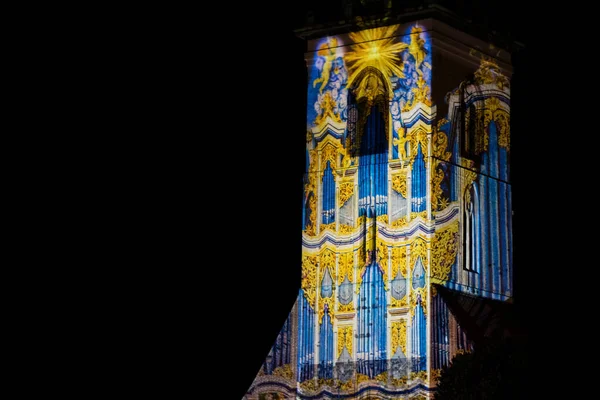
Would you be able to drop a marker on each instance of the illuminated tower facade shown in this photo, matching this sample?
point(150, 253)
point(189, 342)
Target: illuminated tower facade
point(407, 196)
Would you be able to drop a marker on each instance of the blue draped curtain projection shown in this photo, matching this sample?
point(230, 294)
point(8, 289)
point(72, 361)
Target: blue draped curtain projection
point(472, 230)
point(418, 332)
point(328, 195)
point(371, 355)
point(326, 347)
point(306, 344)
point(419, 182)
point(280, 353)
point(440, 335)
point(372, 166)
point(418, 327)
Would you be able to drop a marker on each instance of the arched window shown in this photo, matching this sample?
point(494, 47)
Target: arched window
point(367, 139)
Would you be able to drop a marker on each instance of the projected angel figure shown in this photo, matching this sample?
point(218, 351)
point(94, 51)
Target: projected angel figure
point(326, 52)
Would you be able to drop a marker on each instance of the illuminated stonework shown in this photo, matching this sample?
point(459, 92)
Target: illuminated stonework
point(406, 191)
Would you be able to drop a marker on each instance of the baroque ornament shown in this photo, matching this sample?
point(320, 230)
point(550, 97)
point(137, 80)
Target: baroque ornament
point(327, 106)
point(399, 259)
point(327, 262)
point(399, 336)
point(328, 153)
point(444, 248)
point(344, 340)
point(346, 191)
point(440, 155)
point(399, 182)
point(415, 137)
point(309, 279)
point(346, 270)
point(495, 112)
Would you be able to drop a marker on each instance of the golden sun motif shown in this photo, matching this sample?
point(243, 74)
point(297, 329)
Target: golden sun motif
point(378, 48)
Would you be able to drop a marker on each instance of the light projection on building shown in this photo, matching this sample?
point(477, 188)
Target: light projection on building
point(402, 197)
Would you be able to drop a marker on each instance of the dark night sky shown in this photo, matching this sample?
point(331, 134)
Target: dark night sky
point(205, 301)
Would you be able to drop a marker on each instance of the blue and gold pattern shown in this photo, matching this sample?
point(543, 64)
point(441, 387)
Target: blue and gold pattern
point(393, 203)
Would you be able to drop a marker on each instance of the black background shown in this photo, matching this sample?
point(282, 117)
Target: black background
point(208, 202)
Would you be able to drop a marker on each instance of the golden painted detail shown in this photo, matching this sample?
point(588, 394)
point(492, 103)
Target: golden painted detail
point(348, 385)
point(330, 226)
point(346, 191)
point(362, 378)
point(420, 214)
point(378, 48)
point(400, 223)
point(422, 375)
point(416, 137)
point(494, 112)
point(481, 136)
point(372, 90)
point(467, 176)
point(346, 307)
point(327, 262)
point(346, 267)
point(382, 218)
point(419, 250)
point(284, 371)
point(489, 72)
point(310, 191)
point(345, 229)
point(325, 382)
point(435, 375)
point(329, 301)
point(309, 279)
point(440, 154)
point(421, 94)
point(327, 110)
point(326, 50)
point(401, 143)
point(347, 159)
point(398, 336)
point(399, 182)
point(413, 300)
point(416, 47)
point(502, 120)
point(344, 340)
point(444, 247)
point(398, 262)
point(438, 201)
point(361, 220)
point(403, 302)
point(329, 153)
point(313, 163)
point(382, 260)
point(311, 227)
point(361, 260)
point(382, 377)
point(309, 385)
point(461, 351)
point(399, 382)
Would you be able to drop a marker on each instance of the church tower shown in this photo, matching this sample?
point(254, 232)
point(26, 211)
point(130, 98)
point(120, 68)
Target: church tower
point(406, 210)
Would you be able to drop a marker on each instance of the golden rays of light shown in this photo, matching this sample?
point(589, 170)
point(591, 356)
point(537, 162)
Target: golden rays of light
point(379, 48)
